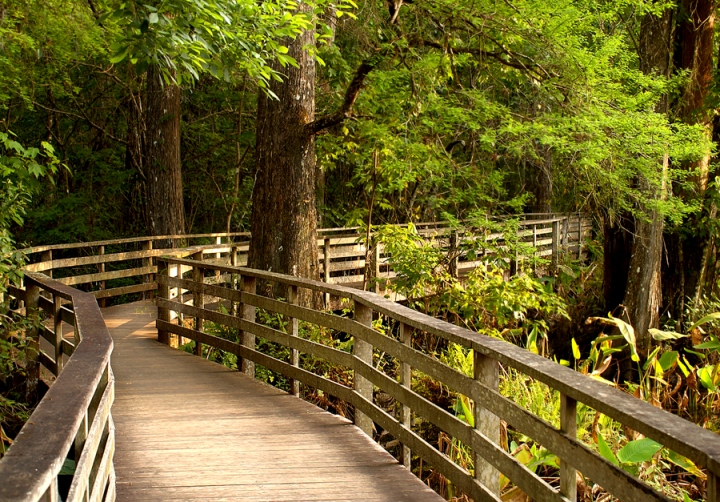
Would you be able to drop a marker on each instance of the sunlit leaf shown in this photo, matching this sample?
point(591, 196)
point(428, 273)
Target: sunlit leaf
point(640, 450)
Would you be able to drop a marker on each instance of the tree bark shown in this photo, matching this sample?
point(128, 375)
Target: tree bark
point(165, 211)
point(644, 292)
point(688, 253)
point(284, 216)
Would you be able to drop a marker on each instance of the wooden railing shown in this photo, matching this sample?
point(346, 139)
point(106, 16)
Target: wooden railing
point(402, 361)
point(120, 267)
point(73, 423)
point(72, 426)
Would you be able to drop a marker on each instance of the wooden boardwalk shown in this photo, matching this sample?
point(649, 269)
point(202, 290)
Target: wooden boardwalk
point(189, 429)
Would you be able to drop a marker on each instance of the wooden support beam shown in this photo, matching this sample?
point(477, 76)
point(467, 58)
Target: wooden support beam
point(363, 351)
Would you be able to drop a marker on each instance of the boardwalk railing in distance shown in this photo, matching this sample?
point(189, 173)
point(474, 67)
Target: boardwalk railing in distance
point(72, 426)
point(125, 268)
point(401, 361)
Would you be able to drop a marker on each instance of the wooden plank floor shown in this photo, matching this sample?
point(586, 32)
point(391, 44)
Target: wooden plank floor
point(188, 429)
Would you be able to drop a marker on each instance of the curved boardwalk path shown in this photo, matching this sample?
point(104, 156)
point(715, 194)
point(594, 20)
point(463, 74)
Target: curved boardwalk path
point(189, 429)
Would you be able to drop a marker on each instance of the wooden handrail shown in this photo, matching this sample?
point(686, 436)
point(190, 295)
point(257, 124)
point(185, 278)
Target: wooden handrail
point(74, 415)
point(675, 433)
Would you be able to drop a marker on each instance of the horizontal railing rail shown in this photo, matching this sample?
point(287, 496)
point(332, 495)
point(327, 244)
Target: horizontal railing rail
point(71, 428)
point(372, 377)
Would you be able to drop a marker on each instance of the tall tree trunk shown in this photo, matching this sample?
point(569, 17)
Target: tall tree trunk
point(165, 211)
point(688, 252)
point(284, 216)
point(644, 292)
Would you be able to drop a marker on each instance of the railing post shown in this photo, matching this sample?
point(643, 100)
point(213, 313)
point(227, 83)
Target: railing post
point(164, 293)
point(176, 294)
point(376, 266)
point(579, 236)
point(293, 326)
point(363, 351)
point(101, 269)
point(248, 339)
point(198, 299)
point(218, 241)
point(406, 381)
point(566, 228)
point(47, 256)
point(326, 267)
point(487, 371)
point(455, 262)
point(568, 425)
point(555, 259)
point(712, 488)
point(148, 262)
point(234, 278)
point(32, 366)
point(57, 322)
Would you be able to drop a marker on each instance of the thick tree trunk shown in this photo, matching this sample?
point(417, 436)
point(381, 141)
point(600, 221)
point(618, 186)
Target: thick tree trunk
point(688, 253)
point(644, 292)
point(284, 216)
point(617, 250)
point(165, 211)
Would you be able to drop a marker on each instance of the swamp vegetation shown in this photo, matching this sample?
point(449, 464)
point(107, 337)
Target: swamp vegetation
point(122, 118)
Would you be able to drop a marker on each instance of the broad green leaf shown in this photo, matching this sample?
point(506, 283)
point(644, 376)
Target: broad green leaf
point(153, 18)
point(640, 450)
point(668, 359)
point(605, 451)
point(662, 336)
point(628, 332)
point(705, 375)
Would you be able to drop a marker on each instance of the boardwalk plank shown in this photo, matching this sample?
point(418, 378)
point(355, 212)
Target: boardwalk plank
point(188, 429)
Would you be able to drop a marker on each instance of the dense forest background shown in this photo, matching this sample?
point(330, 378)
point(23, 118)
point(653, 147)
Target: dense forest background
point(382, 112)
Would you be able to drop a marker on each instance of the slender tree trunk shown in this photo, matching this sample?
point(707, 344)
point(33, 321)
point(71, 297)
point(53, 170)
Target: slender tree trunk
point(165, 211)
point(284, 216)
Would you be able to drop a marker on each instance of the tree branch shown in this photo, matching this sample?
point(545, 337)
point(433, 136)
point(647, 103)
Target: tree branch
point(345, 110)
point(511, 59)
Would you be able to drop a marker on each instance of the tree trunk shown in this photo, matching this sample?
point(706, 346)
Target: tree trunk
point(644, 292)
point(688, 252)
point(284, 216)
point(165, 211)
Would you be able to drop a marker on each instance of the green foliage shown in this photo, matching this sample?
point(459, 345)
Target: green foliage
point(514, 308)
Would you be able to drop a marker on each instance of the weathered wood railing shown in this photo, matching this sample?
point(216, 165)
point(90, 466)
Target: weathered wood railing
point(120, 267)
point(73, 421)
point(236, 287)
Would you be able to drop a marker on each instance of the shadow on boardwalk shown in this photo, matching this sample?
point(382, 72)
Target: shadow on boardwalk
point(189, 429)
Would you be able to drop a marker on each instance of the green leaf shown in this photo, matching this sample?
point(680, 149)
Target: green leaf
point(710, 317)
point(705, 375)
point(662, 336)
point(628, 332)
point(153, 18)
point(686, 464)
point(605, 451)
point(712, 344)
point(640, 450)
point(668, 359)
